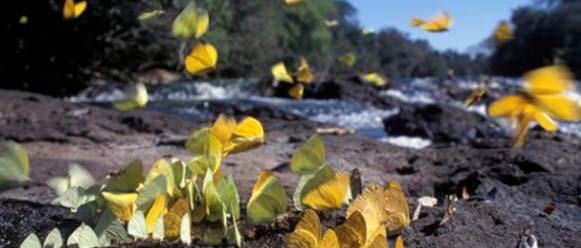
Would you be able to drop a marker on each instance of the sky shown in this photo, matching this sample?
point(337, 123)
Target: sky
point(474, 20)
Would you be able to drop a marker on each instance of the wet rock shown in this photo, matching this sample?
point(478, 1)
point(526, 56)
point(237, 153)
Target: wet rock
point(440, 123)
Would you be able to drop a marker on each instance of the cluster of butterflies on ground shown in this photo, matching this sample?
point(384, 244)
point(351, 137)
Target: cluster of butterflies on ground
point(171, 204)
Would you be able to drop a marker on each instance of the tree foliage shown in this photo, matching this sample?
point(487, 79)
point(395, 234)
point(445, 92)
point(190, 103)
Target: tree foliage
point(543, 36)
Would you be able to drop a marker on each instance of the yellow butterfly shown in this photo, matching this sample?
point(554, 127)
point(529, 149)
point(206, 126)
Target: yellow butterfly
point(307, 234)
point(375, 79)
point(304, 74)
point(157, 209)
point(371, 206)
point(172, 220)
point(280, 73)
point(268, 199)
point(202, 59)
point(144, 16)
point(310, 157)
point(240, 137)
point(123, 205)
point(397, 209)
point(367, 31)
point(120, 193)
point(292, 2)
point(14, 164)
point(191, 22)
point(296, 91)
point(476, 95)
point(331, 23)
point(72, 10)
point(503, 33)
point(546, 95)
point(323, 190)
point(163, 168)
point(348, 59)
point(207, 149)
point(135, 98)
point(353, 233)
point(248, 134)
point(399, 242)
point(439, 23)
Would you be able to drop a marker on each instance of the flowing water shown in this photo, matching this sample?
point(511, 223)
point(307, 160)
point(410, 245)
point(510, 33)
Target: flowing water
point(193, 98)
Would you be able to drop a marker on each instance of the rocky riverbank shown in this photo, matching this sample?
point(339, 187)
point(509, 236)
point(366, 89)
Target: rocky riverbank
point(507, 190)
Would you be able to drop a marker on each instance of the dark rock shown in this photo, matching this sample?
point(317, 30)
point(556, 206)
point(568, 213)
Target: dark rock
point(440, 123)
point(18, 219)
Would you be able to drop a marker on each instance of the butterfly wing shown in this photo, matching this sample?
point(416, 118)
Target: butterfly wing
point(307, 233)
point(440, 23)
point(397, 207)
point(559, 106)
point(123, 205)
point(353, 232)
point(327, 190)
point(304, 73)
point(248, 134)
point(202, 59)
point(309, 157)
point(370, 204)
point(555, 79)
point(280, 73)
point(503, 33)
point(268, 199)
point(296, 91)
point(508, 106)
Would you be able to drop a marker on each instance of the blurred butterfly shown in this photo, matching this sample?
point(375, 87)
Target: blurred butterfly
point(292, 2)
point(323, 190)
point(476, 95)
point(268, 199)
point(202, 59)
point(503, 33)
point(144, 16)
point(280, 73)
point(375, 79)
point(399, 242)
point(14, 164)
point(304, 74)
point(307, 234)
point(72, 10)
point(439, 23)
point(367, 31)
point(78, 177)
point(191, 22)
point(348, 59)
point(296, 91)
point(135, 97)
point(547, 93)
point(331, 23)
